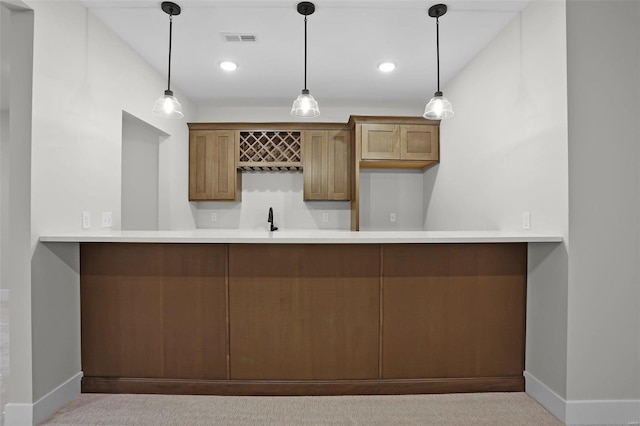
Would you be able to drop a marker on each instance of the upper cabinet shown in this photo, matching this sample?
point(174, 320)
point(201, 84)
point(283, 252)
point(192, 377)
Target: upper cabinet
point(212, 168)
point(330, 155)
point(400, 142)
point(218, 152)
point(327, 164)
point(390, 143)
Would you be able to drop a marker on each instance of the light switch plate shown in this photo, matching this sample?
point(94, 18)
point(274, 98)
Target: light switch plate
point(86, 220)
point(392, 217)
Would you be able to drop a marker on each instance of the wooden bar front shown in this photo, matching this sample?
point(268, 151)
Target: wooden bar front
point(302, 319)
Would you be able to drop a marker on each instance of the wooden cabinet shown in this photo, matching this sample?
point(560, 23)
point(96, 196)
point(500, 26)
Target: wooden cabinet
point(153, 311)
point(212, 168)
point(302, 319)
point(391, 143)
point(454, 311)
point(327, 164)
point(304, 312)
point(386, 141)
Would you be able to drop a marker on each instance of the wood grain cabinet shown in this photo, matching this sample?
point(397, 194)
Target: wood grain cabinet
point(302, 319)
point(327, 164)
point(212, 167)
point(386, 141)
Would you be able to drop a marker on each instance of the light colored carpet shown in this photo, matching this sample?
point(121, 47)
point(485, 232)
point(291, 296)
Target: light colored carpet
point(451, 409)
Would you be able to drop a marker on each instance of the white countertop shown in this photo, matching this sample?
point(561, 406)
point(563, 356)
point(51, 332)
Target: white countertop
point(298, 237)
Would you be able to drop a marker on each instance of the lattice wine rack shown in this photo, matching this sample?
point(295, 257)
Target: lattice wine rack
point(270, 150)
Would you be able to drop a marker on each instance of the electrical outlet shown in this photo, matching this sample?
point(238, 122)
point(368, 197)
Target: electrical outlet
point(214, 217)
point(526, 221)
point(86, 220)
point(392, 217)
point(107, 219)
point(325, 217)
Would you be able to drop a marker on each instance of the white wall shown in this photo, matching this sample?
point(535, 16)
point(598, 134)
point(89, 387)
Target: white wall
point(604, 281)
point(283, 191)
point(383, 192)
point(545, 146)
point(84, 78)
point(4, 194)
point(505, 152)
point(140, 175)
point(17, 238)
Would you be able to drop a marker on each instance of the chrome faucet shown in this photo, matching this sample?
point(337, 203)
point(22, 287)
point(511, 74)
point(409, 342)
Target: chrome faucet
point(270, 220)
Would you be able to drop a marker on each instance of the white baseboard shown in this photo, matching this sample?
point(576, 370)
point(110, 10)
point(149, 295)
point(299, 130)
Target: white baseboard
point(32, 414)
point(4, 295)
point(617, 412)
point(550, 400)
point(583, 412)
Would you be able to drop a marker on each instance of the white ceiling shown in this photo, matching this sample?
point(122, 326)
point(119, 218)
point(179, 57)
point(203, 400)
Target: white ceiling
point(346, 41)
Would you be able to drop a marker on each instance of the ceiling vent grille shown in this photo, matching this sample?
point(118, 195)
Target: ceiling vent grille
point(239, 38)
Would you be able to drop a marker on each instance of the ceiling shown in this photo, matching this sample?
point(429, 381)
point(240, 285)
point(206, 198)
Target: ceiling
point(346, 42)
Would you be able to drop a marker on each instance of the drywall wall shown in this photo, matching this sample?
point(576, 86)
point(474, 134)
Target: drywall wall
point(384, 193)
point(92, 76)
point(140, 175)
point(505, 152)
point(604, 294)
point(17, 195)
point(329, 113)
point(283, 191)
point(84, 78)
point(4, 192)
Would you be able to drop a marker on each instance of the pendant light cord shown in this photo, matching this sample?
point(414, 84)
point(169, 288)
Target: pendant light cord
point(305, 52)
point(170, 34)
point(438, 49)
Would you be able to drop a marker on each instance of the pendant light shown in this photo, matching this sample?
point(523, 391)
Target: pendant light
point(167, 106)
point(305, 105)
point(438, 107)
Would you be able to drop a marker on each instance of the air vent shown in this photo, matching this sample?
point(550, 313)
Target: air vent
point(239, 38)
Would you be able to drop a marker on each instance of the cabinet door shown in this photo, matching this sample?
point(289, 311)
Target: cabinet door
point(153, 310)
point(418, 142)
point(314, 160)
point(453, 310)
point(212, 170)
point(304, 311)
point(201, 165)
point(380, 141)
point(339, 176)
point(224, 170)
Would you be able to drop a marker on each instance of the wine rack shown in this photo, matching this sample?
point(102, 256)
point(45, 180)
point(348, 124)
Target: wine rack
point(270, 151)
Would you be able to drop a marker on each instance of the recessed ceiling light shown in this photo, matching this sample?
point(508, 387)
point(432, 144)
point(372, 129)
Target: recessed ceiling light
point(228, 66)
point(387, 66)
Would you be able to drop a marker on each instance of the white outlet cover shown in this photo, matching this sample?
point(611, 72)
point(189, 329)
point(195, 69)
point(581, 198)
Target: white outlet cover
point(107, 219)
point(526, 221)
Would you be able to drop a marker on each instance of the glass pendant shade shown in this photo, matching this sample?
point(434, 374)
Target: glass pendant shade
point(305, 106)
point(438, 108)
point(167, 106)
